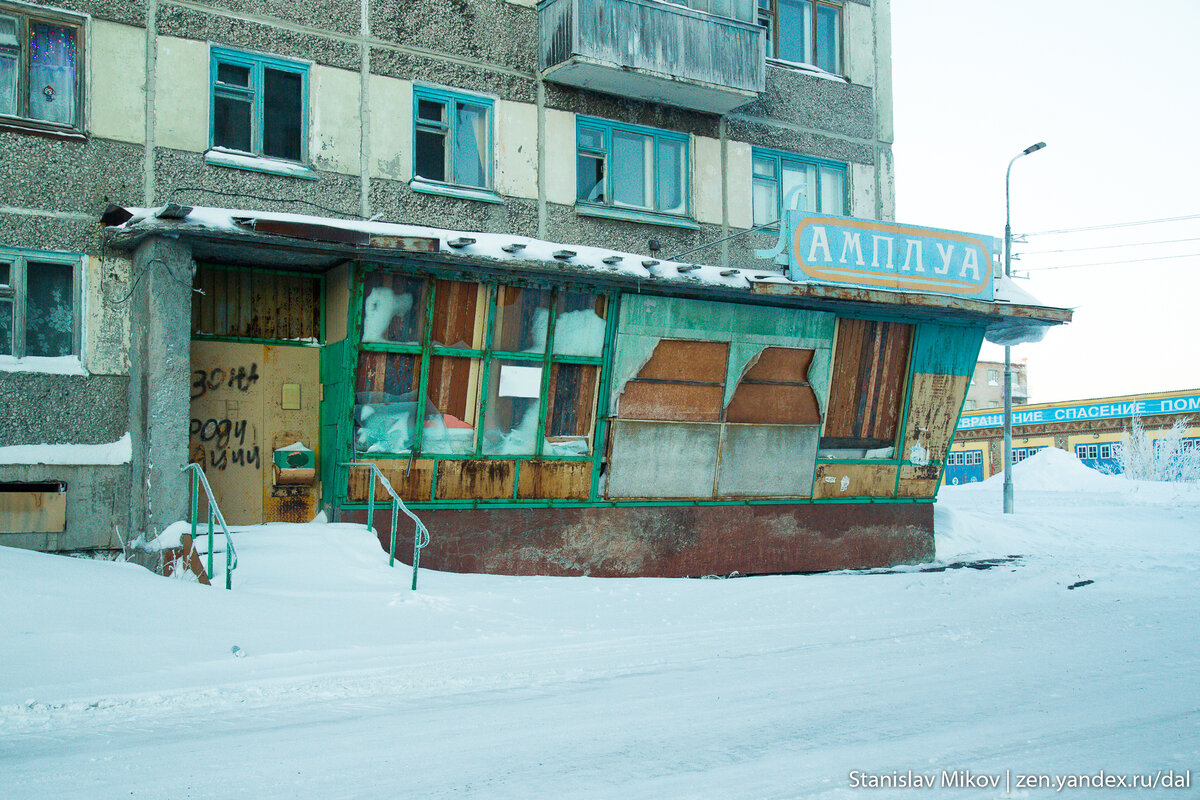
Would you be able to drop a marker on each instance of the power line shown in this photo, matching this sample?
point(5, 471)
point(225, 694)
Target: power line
point(1107, 263)
point(1116, 225)
point(1108, 246)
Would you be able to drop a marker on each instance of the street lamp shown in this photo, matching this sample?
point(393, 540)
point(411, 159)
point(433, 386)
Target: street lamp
point(1008, 371)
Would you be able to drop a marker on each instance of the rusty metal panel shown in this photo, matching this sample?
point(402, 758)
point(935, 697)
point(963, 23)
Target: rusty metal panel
point(411, 244)
point(33, 512)
point(555, 480)
point(415, 484)
point(870, 364)
point(682, 402)
point(256, 305)
point(785, 364)
point(311, 231)
point(663, 459)
point(685, 360)
point(767, 461)
point(475, 480)
point(919, 481)
point(774, 404)
point(933, 409)
point(848, 481)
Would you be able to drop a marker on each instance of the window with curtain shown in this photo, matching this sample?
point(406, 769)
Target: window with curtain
point(807, 184)
point(39, 303)
point(804, 32)
point(452, 138)
point(41, 69)
point(631, 167)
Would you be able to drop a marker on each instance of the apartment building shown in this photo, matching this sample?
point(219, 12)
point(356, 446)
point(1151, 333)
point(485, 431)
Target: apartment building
point(540, 264)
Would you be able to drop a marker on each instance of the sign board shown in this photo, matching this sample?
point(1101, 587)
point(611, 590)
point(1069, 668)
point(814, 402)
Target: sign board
point(1080, 411)
point(886, 255)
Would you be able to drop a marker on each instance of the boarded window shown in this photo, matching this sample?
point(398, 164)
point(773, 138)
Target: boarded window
point(774, 390)
point(571, 418)
point(683, 381)
point(870, 363)
point(459, 314)
point(244, 304)
point(385, 407)
point(393, 308)
point(522, 319)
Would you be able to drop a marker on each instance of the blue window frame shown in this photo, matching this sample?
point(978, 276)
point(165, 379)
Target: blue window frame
point(819, 185)
point(39, 303)
point(452, 138)
point(259, 105)
point(631, 167)
point(804, 32)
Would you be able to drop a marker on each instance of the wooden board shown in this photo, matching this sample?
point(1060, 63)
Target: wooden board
point(555, 480)
point(475, 480)
point(854, 480)
point(774, 390)
point(416, 486)
point(933, 409)
point(918, 481)
point(870, 364)
point(256, 305)
point(33, 512)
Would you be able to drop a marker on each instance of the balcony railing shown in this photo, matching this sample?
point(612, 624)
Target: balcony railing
point(653, 50)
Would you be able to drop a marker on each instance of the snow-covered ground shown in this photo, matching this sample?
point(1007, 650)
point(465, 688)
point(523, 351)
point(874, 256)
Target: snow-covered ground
point(345, 684)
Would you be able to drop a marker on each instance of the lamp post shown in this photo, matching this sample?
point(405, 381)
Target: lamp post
point(1008, 371)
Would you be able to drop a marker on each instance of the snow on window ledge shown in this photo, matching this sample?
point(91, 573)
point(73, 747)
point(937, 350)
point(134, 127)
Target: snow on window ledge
point(110, 454)
point(811, 69)
point(450, 190)
point(274, 166)
point(56, 365)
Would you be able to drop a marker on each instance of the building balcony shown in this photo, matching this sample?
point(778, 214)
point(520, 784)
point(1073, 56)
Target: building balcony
point(655, 51)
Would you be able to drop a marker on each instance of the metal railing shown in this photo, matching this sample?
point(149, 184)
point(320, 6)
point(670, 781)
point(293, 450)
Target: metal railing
point(420, 537)
point(198, 480)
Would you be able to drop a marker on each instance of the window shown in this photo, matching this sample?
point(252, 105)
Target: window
point(259, 105)
point(993, 377)
point(450, 368)
point(870, 370)
point(452, 138)
point(39, 309)
point(631, 167)
point(803, 31)
point(807, 184)
point(41, 69)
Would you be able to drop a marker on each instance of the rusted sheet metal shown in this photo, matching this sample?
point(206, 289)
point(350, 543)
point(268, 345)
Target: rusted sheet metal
point(310, 230)
point(663, 459)
point(933, 406)
point(415, 484)
point(679, 402)
point(767, 461)
point(870, 364)
point(854, 480)
point(919, 481)
point(475, 480)
point(555, 480)
point(410, 244)
point(256, 305)
point(885, 297)
point(781, 364)
point(774, 404)
point(671, 541)
point(682, 360)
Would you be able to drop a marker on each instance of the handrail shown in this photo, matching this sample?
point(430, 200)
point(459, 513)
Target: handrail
point(198, 479)
point(420, 538)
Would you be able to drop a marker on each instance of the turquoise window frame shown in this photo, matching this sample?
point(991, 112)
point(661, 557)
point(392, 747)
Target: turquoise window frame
point(14, 295)
point(488, 356)
point(814, 53)
point(780, 157)
point(454, 187)
point(609, 207)
point(256, 63)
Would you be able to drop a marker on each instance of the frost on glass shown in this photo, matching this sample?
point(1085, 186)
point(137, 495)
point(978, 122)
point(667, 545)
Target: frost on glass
point(522, 317)
point(580, 325)
point(49, 309)
point(385, 402)
point(513, 404)
point(393, 309)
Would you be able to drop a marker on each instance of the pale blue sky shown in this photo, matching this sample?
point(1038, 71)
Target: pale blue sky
point(1112, 89)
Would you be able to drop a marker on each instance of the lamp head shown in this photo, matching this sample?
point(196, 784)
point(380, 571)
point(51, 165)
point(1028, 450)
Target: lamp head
point(1033, 148)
